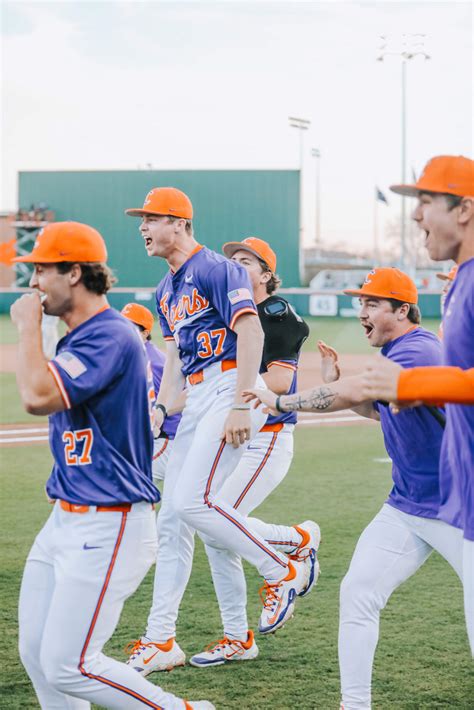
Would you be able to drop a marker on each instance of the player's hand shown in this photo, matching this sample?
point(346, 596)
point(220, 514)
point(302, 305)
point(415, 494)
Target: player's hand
point(380, 379)
point(330, 370)
point(157, 422)
point(237, 427)
point(261, 396)
point(397, 407)
point(27, 311)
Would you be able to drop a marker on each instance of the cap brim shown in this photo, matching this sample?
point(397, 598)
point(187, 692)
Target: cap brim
point(357, 293)
point(138, 212)
point(33, 259)
point(406, 190)
point(230, 248)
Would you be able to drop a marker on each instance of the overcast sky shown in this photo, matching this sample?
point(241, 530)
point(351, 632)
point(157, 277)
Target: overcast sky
point(210, 85)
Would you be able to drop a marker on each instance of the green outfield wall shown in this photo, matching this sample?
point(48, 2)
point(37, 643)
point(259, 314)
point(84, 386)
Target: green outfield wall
point(228, 205)
point(320, 305)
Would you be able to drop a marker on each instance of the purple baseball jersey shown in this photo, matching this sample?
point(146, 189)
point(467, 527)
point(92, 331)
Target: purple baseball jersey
point(157, 361)
point(457, 454)
point(198, 306)
point(413, 437)
point(102, 443)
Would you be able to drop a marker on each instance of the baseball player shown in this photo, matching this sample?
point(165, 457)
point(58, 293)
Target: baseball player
point(266, 460)
point(143, 319)
point(49, 335)
point(445, 211)
point(406, 530)
point(419, 385)
point(214, 342)
point(100, 539)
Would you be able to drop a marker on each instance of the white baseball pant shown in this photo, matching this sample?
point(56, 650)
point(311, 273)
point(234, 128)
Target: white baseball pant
point(263, 466)
point(468, 578)
point(199, 465)
point(162, 449)
point(389, 551)
point(81, 569)
point(49, 335)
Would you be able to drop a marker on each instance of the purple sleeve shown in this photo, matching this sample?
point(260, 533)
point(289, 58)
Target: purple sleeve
point(229, 291)
point(87, 367)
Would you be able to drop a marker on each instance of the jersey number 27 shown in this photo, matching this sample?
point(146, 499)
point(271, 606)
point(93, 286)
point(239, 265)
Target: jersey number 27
point(77, 447)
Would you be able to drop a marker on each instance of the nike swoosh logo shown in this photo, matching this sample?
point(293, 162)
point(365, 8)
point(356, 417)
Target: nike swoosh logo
point(188, 279)
point(145, 661)
point(224, 389)
point(91, 547)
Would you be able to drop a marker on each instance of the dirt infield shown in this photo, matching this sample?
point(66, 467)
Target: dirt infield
point(308, 373)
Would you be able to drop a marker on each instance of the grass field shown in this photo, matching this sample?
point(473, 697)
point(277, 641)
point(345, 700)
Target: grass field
point(344, 334)
point(422, 660)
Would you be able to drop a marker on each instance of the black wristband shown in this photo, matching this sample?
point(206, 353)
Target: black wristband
point(277, 404)
point(162, 408)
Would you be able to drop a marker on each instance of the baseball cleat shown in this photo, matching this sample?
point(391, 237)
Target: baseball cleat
point(279, 598)
point(199, 705)
point(146, 658)
point(307, 551)
point(216, 654)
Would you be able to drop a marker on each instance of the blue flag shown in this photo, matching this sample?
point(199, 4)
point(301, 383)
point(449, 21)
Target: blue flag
point(380, 196)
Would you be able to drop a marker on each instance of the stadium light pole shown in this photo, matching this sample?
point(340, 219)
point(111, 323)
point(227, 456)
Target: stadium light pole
point(317, 156)
point(302, 125)
point(412, 45)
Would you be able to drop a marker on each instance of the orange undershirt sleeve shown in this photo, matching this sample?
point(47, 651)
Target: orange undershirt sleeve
point(436, 385)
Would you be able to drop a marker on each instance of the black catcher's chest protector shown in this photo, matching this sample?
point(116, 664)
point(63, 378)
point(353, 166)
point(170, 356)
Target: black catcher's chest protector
point(285, 331)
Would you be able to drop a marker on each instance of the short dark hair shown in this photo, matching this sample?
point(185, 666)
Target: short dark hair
point(96, 277)
point(189, 222)
point(274, 282)
point(414, 313)
point(452, 200)
point(142, 330)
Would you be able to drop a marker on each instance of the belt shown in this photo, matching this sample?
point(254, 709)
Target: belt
point(273, 427)
point(196, 377)
point(71, 508)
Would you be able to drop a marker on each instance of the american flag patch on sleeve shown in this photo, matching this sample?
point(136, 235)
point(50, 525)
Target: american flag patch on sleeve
point(239, 294)
point(71, 364)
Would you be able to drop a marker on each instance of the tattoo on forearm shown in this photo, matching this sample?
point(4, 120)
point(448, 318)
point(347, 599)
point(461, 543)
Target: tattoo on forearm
point(317, 399)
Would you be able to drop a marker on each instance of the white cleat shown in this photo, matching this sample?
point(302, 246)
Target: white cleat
point(226, 650)
point(307, 551)
point(200, 705)
point(279, 598)
point(147, 657)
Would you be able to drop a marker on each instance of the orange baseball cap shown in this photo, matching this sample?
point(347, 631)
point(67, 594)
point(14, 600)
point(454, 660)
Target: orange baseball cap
point(388, 283)
point(257, 247)
point(450, 276)
point(138, 314)
point(66, 241)
point(164, 201)
point(450, 174)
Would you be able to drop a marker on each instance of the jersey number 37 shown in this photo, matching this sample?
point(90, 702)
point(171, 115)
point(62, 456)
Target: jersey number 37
point(77, 447)
point(211, 342)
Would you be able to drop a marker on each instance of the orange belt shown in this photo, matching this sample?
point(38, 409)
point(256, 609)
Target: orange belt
point(273, 427)
point(71, 508)
point(196, 377)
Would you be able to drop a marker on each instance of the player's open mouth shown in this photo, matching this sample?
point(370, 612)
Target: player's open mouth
point(148, 242)
point(368, 329)
point(43, 296)
point(427, 234)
